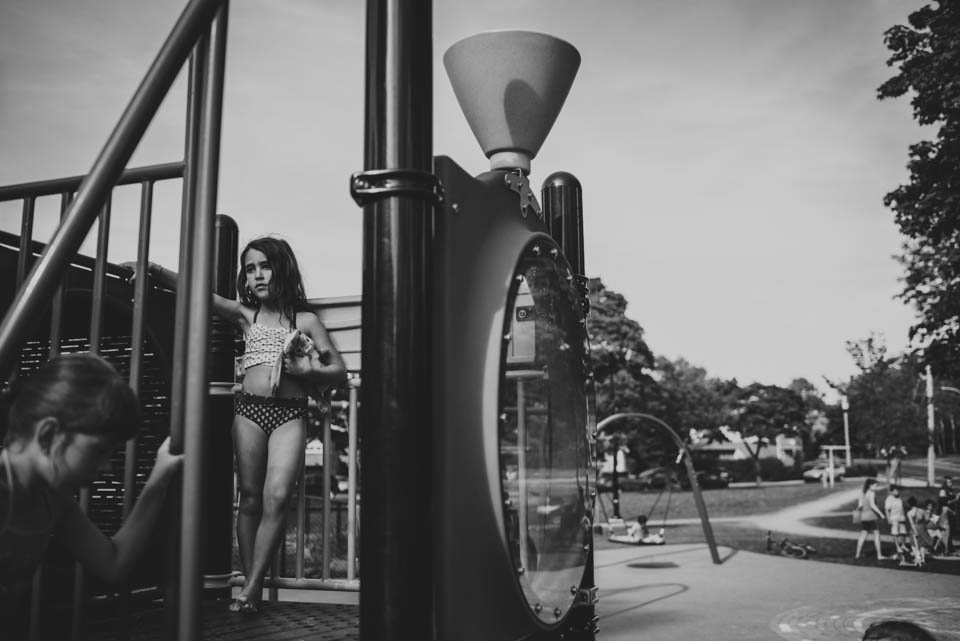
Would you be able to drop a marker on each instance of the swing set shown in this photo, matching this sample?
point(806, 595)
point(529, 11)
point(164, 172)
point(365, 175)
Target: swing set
point(615, 524)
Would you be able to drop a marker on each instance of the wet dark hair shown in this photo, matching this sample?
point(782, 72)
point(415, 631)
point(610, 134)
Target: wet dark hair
point(896, 631)
point(867, 482)
point(286, 285)
point(82, 391)
point(912, 501)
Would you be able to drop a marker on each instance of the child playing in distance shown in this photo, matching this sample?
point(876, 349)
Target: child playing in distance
point(639, 533)
point(63, 423)
point(897, 518)
point(269, 427)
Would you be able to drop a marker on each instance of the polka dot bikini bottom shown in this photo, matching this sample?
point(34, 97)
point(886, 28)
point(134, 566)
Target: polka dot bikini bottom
point(269, 412)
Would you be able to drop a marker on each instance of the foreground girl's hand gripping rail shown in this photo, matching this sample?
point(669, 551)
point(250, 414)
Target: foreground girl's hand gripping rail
point(62, 423)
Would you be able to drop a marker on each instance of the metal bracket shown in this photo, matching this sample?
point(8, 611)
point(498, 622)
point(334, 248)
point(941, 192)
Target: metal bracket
point(377, 184)
point(528, 200)
point(586, 597)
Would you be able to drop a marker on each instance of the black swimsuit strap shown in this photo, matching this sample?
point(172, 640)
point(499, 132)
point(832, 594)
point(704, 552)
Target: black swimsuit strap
point(255, 315)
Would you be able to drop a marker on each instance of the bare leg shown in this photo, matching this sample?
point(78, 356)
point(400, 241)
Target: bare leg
point(863, 537)
point(876, 543)
point(284, 459)
point(250, 446)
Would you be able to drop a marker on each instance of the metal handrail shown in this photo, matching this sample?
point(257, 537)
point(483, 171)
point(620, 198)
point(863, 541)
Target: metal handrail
point(56, 186)
point(193, 23)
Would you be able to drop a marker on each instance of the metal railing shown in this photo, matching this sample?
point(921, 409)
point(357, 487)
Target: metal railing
point(200, 35)
point(29, 249)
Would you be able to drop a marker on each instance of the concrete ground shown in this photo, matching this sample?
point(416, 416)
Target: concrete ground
point(676, 592)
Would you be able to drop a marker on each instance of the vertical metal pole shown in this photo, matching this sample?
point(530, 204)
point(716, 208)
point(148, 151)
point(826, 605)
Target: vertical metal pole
point(845, 406)
point(56, 310)
point(25, 258)
point(522, 506)
point(301, 520)
point(96, 334)
point(196, 80)
point(137, 332)
point(931, 427)
point(397, 569)
point(218, 463)
point(328, 465)
point(562, 199)
point(197, 378)
point(354, 384)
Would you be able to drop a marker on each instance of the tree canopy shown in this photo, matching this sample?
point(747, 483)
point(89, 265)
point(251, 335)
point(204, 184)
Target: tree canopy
point(926, 55)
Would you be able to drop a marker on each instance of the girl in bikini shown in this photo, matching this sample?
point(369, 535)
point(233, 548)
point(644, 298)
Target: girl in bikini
point(269, 427)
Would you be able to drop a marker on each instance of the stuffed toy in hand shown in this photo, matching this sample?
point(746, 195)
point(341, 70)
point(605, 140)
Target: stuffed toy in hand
point(300, 346)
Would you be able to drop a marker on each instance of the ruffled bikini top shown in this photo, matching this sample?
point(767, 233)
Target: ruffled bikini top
point(264, 344)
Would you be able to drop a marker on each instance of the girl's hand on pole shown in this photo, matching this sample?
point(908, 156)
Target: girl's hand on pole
point(132, 266)
point(167, 464)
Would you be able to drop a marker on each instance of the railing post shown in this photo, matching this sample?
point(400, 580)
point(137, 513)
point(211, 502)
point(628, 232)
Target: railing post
point(218, 466)
point(396, 575)
point(196, 388)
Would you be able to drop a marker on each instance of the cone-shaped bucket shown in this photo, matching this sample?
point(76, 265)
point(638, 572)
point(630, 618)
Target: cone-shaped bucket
point(511, 86)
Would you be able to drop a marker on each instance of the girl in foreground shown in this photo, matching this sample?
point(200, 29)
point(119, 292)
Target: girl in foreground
point(63, 423)
point(269, 427)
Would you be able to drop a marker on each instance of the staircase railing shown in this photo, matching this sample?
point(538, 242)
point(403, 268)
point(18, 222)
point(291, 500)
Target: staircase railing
point(200, 35)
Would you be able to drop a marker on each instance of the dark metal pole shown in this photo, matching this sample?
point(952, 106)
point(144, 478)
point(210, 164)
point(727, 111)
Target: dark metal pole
point(197, 330)
point(195, 83)
point(96, 334)
point(396, 586)
point(34, 295)
point(218, 483)
point(25, 258)
point(56, 310)
point(563, 211)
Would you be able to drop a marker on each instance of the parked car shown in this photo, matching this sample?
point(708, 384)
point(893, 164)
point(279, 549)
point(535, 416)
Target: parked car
point(707, 479)
point(656, 478)
point(821, 470)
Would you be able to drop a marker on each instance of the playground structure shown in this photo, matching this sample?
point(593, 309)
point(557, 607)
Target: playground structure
point(475, 408)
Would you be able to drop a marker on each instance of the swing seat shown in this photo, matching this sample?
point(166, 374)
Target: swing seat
point(650, 539)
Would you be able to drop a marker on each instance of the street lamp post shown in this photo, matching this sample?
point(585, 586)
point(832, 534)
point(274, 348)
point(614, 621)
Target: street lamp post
point(845, 406)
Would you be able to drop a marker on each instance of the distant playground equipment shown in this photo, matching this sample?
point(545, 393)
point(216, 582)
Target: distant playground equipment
point(614, 525)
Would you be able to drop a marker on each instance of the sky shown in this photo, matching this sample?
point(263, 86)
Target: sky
point(733, 154)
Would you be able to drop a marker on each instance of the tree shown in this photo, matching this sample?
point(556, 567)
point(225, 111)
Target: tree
point(695, 401)
point(886, 398)
point(926, 54)
point(763, 412)
point(816, 421)
point(622, 362)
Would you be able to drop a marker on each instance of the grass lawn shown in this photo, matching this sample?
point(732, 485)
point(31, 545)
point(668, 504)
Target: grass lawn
point(746, 501)
point(740, 501)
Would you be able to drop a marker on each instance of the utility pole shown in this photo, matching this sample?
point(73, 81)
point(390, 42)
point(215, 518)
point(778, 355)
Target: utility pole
point(845, 406)
point(931, 454)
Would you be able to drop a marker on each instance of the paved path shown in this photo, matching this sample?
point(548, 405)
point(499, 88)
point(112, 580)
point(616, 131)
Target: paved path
point(675, 592)
point(672, 592)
